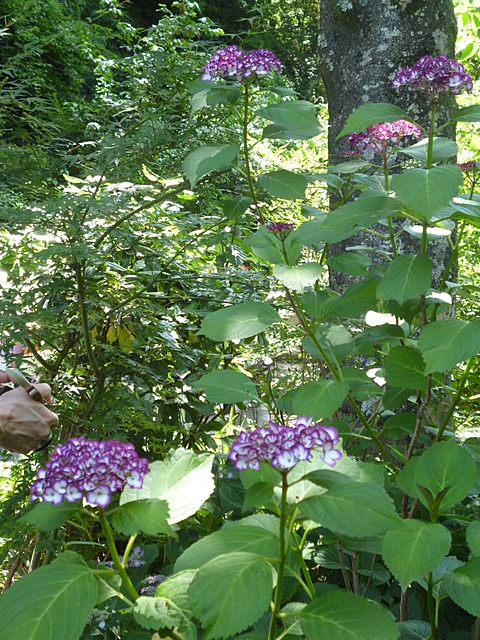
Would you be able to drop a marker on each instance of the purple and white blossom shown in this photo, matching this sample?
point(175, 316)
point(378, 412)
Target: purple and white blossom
point(232, 62)
point(284, 446)
point(378, 136)
point(89, 468)
point(280, 228)
point(434, 76)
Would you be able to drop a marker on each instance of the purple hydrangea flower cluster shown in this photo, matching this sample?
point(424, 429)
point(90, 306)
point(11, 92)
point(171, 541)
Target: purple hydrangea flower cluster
point(232, 62)
point(282, 228)
point(433, 76)
point(89, 468)
point(151, 584)
point(378, 136)
point(284, 446)
point(467, 166)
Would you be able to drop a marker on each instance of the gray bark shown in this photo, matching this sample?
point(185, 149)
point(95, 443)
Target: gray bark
point(360, 50)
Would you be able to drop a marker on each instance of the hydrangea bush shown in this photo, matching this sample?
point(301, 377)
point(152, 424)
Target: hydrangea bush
point(329, 521)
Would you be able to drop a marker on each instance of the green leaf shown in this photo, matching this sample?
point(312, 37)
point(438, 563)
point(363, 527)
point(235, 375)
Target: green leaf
point(443, 148)
point(230, 593)
point(444, 344)
point(413, 550)
point(319, 398)
point(427, 190)
point(267, 246)
point(238, 321)
point(284, 184)
point(446, 465)
point(156, 613)
point(414, 630)
point(39, 605)
point(313, 303)
point(372, 113)
point(352, 509)
point(299, 277)
point(404, 367)
point(235, 538)
point(294, 120)
point(258, 496)
point(463, 586)
point(406, 278)
point(448, 564)
point(354, 264)
point(236, 206)
point(473, 537)
point(356, 300)
point(149, 516)
point(467, 114)
point(348, 219)
point(336, 341)
point(207, 94)
point(337, 615)
point(226, 386)
point(399, 425)
point(215, 157)
point(184, 479)
point(47, 517)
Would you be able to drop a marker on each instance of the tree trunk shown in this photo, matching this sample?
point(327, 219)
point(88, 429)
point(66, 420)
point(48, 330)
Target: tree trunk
point(362, 44)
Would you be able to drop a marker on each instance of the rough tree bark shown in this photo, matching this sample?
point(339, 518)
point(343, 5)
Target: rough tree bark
point(362, 44)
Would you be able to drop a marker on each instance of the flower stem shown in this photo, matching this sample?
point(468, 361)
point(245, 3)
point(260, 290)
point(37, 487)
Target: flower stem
point(430, 138)
point(281, 559)
point(118, 566)
point(247, 158)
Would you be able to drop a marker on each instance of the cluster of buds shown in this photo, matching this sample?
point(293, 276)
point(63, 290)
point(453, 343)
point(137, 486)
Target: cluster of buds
point(89, 468)
point(378, 136)
point(434, 76)
point(281, 229)
point(283, 446)
point(232, 62)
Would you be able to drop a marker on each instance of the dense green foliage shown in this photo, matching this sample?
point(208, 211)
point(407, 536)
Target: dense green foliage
point(138, 272)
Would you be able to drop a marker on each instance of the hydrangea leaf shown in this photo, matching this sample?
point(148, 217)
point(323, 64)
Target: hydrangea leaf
point(406, 278)
point(230, 593)
point(357, 299)
point(337, 615)
point(294, 120)
point(414, 630)
point(176, 588)
point(443, 148)
point(156, 613)
point(413, 550)
point(320, 398)
point(214, 157)
point(463, 586)
point(298, 277)
point(227, 386)
point(473, 537)
point(47, 517)
point(445, 344)
point(352, 509)
point(468, 114)
point(350, 218)
point(39, 606)
point(236, 206)
point(238, 321)
point(404, 367)
point(184, 479)
point(336, 341)
point(354, 264)
point(284, 184)
point(267, 246)
point(232, 539)
point(371, 113)
point(148, 516)
point(445, 465)
point(427, 190)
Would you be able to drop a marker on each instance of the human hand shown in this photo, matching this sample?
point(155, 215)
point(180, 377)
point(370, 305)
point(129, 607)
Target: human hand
point(24, 422)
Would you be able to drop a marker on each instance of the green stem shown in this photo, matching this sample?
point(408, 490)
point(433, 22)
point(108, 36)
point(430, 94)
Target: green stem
point(455, 401)
point(247, 158)
point(281, 560)
point(118, 566)
point(430, 138)
point(431, 608)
